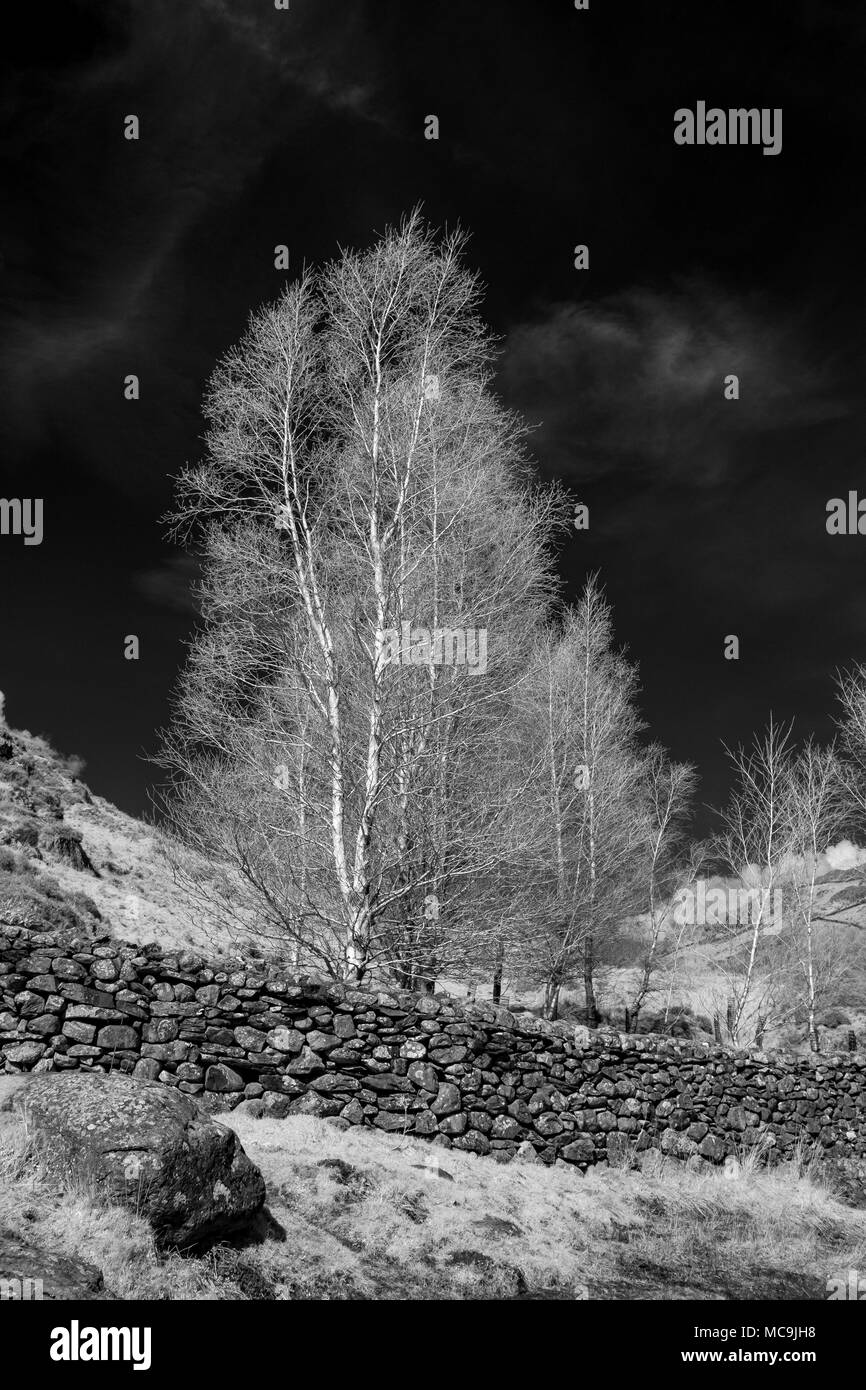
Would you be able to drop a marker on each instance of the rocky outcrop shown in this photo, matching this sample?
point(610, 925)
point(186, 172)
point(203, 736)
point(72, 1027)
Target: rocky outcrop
point(470, 1077)
point(145, 1146)
point(29, 1273)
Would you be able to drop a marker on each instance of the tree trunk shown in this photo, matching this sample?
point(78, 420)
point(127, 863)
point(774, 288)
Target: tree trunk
point(589, 985)
point(403, 976)
point(497, 972)
point(730, 1020)
point(356, 951)
point(552, 988)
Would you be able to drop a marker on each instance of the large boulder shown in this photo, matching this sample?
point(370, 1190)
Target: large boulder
point(28, 1272)
point(146, 1146)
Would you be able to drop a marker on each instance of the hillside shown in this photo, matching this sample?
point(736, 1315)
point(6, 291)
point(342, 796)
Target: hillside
point(67, 842)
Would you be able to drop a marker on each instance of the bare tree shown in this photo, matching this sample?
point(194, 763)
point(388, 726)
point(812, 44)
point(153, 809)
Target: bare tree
point(667, 792)
point(783, 816)
point(581, 803)
point(814, 812)
point(755, 846)
point(678, 955)
point(375, 566)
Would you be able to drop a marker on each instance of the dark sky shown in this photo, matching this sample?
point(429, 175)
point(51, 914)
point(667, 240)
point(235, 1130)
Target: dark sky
point(305, 127)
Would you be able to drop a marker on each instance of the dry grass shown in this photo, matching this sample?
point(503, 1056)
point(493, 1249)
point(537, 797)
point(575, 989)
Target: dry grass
point(362, 1215)
point(389, 1227)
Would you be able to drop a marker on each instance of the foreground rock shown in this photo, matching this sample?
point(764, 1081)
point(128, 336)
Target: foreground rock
point(28, 1272)
point(148, 1147)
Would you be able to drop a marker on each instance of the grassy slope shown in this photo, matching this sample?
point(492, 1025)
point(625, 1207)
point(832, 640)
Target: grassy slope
point(129, 880)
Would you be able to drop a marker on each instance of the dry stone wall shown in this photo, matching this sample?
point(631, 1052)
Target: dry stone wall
point(473, 1077)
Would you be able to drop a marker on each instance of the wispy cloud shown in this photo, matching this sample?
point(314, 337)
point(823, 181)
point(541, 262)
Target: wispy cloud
point(317, 48)
point(635, 383)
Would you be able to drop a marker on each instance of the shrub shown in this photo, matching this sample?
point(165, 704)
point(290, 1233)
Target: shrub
point(38, 904)
point(24, 830)
point(834, 1018)
point(61, 839)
